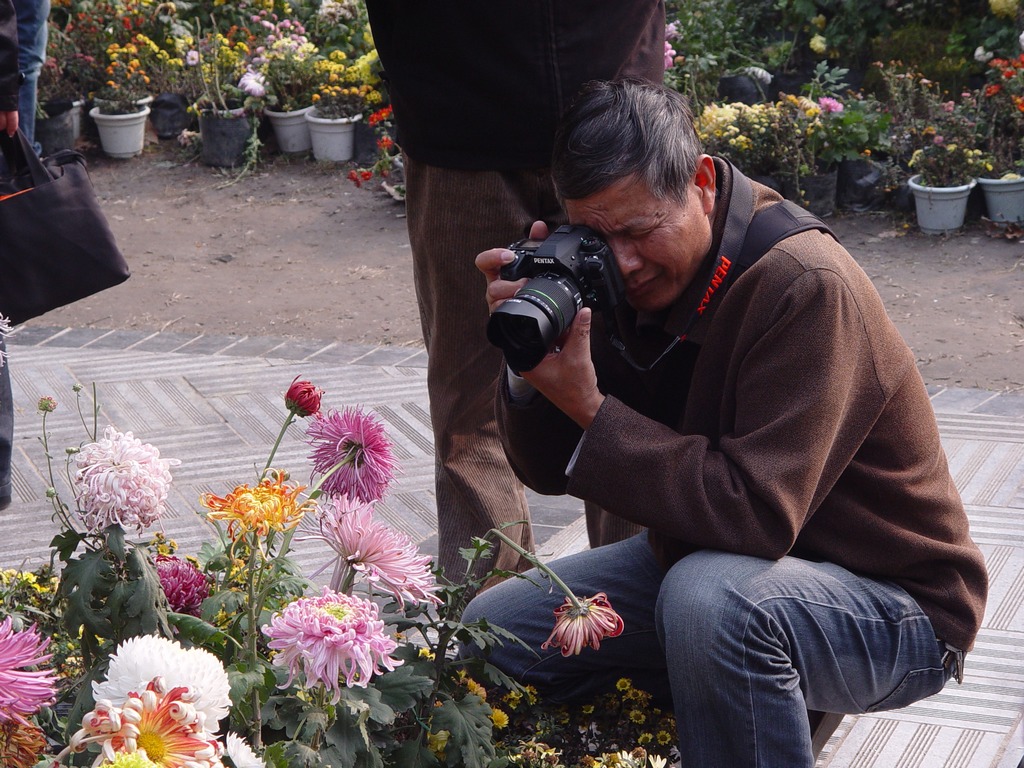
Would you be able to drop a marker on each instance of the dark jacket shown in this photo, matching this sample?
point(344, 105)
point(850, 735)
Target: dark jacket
point(9, 76)
point(804, 429)
point(480, 85)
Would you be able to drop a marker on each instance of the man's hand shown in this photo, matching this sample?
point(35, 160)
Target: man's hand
point(490, 263)
point(9, 122)
point(566, 376)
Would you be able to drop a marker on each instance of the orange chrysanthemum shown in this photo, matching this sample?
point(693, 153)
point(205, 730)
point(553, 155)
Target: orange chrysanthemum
point(271, 505)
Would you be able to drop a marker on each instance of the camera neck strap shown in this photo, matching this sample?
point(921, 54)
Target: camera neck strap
point(746, 238)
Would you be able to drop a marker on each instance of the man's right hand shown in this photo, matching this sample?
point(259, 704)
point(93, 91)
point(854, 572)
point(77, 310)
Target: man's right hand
point(490, 263)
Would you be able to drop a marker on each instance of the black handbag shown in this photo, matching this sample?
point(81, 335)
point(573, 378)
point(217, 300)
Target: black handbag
point(55, 244)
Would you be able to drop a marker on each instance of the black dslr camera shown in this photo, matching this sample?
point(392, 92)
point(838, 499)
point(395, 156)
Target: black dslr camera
point(572, 268)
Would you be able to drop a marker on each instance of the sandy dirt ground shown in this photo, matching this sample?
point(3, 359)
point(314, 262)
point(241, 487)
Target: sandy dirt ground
point(295, 249)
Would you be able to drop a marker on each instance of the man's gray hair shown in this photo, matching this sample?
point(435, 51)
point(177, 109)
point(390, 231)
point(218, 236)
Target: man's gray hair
point(617, 130)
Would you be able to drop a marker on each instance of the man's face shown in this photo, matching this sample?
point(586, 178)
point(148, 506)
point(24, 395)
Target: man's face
point(658, 244)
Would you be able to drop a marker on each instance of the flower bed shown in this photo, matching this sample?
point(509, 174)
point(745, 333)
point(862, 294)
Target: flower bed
point(140, 655)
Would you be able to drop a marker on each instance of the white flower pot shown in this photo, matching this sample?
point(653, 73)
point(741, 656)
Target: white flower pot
point(333, 140)
point(940, 210)
point(291, 130)
point(1004, 199)
point(121, 136)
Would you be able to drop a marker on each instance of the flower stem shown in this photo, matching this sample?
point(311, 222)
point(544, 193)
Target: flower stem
point(277, 443)
point(540, 567)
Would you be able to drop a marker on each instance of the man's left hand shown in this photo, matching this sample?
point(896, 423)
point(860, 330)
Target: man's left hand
point(567, 377)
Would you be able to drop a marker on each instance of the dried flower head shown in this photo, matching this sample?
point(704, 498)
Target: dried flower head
point(121, 481)
point(585, 626)
point(21, 743)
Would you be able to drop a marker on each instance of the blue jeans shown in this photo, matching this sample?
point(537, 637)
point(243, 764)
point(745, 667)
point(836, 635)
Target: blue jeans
point(32, 36)
point(742, 647)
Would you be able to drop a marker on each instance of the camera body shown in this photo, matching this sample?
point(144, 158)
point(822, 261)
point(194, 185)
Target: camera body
point(570, 269)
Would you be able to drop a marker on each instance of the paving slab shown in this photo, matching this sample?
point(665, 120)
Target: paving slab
point(215, 403)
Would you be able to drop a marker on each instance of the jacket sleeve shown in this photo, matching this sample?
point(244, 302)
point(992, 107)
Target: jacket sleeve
point(539, 440)
point(9, 75)
point(804, 384)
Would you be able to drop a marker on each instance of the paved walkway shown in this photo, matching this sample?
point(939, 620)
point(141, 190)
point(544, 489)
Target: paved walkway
point(214, 402)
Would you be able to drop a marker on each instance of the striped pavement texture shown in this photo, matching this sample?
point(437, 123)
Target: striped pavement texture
point(215, 403)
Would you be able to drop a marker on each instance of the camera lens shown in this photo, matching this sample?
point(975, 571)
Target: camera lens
point(526, 326)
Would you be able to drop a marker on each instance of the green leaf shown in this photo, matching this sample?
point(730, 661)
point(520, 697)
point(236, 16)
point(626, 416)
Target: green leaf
point(367, 702)
point(468, 722)
point(346, 739)
point(84, 586)
point(66, 542)
point(412, 754)
point(114, 536)
point(298, 755)
point(242, 681)
point(402, 688)
point(197, 631)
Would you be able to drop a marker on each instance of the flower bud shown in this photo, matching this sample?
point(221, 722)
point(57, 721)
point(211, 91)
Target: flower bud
point(46, 404)
point(303, 398)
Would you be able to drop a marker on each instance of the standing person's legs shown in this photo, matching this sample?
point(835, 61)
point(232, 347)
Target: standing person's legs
point(452, 216)
point(752, 644)
point(32, 36)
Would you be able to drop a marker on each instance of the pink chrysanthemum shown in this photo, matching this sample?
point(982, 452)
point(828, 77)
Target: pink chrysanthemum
point(386, 558)
point(23, 692)
point(828, 104)
point(183, 583)
point(353, 451)
point(331, 638)
point(585, 626)
point(121, 481)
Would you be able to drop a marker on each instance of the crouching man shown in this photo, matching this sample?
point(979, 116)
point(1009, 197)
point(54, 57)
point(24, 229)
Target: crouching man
point(760, 414)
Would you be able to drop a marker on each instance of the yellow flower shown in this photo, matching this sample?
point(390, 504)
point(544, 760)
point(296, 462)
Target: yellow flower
point(271, 505)
point(436, 742)
point(623, 684)
point(475, 688)
point(1006, 9)
point(499, 718)
point(819, 44)
point(819, 21)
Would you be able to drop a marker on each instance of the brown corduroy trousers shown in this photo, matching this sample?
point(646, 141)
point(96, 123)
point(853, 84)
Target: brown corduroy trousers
point(452, 216)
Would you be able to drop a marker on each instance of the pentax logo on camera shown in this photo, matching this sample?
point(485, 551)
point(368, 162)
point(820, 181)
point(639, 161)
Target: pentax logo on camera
point(543, 260)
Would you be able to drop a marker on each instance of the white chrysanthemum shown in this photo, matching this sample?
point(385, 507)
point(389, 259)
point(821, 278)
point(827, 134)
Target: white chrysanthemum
point(121, 481)
point(139, 659)
point(241, 754)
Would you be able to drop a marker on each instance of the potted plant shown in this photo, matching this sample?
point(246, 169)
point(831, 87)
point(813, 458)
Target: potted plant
point(168, 114)
point(946, 172)
point(230, 93)
point(338, 104)
point(55, 109)
point(120, 105)
point(1001, 127)
point(288, 63)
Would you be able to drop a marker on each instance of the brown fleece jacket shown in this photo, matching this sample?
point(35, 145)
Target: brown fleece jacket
point(804, 429)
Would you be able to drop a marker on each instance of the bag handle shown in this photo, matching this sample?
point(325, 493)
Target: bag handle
point(21, 156)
